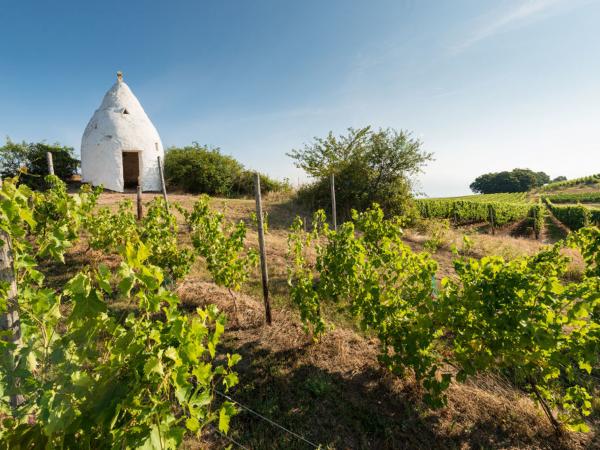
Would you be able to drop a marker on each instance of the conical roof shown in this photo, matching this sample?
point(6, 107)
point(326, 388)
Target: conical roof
point(120, 125)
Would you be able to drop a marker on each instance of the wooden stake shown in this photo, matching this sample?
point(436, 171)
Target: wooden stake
point(333, 208)
point(50, 163)
point(491, 216)
point(9, 321)
point(261, 244)
point(140, 208)
point(162, 182)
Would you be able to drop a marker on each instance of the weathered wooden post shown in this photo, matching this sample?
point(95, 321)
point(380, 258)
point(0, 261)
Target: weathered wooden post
point(261, 245)
point(50, 163)
point(162, 182)
point(333, 208)
point(9, 321)
point(140, 208)
point(491, 218)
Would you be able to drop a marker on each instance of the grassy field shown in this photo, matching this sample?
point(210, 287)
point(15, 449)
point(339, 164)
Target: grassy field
point(334, 393)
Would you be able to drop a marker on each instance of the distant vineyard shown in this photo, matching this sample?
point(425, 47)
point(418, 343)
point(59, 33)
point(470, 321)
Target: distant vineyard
point(587, 197)
point(496, 209)
point(505, 197)
point(591, 179)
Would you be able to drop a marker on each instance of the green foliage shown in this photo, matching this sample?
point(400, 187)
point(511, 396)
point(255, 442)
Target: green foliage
point(109, 232)
point(573, 216)
point(157, 230)
point(589, 180)
point(142, 382)
point(198, 169)
point(369, 166)
point(91, 380)
point(244, 184)
point(29, 160)
point(366, 269)
point(595, 216)
point(537, 214)
point(517, 180)
point(435, 230)
point(60, 216)
point(518, 317)
point(499, 208)
point(221, 244)
point(586, 197)
point(14, 158)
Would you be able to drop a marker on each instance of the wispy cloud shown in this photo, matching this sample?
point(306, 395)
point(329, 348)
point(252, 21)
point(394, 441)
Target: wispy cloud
point(520, 14)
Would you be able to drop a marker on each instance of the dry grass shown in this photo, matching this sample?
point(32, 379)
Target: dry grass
point(335, 393)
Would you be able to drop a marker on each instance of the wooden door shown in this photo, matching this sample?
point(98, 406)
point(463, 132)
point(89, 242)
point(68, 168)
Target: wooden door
point(131, 169)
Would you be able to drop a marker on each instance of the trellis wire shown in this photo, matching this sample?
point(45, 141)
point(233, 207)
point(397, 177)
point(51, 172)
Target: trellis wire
point(272, 422)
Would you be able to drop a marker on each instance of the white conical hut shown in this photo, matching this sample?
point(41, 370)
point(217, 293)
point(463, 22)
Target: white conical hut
point(120, 144)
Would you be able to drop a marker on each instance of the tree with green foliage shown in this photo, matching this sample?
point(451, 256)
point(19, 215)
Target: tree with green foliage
point(369, 166)
point(29, 160)
point(517, 180)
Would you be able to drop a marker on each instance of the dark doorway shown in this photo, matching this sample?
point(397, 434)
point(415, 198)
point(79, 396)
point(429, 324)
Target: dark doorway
point(131, 169)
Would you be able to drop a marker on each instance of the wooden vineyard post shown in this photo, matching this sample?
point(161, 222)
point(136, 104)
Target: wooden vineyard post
point(536, 224)
point(491, 218)
point(9, 321)
point(50, 163)
point(140, 209)
point(261, 245)
point(333, 208)
point(162, 182)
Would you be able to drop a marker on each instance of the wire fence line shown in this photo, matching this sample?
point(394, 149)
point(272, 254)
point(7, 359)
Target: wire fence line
point(230, 439)
point(270, 421)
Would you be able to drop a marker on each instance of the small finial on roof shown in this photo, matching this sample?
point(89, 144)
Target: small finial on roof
point(120, 76)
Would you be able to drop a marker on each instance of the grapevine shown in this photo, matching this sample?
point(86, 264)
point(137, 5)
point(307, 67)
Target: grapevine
point(221, 244)
point(517, 317)
point(83, 377)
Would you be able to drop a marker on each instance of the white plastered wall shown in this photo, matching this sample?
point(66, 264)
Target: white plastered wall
point(120, 124)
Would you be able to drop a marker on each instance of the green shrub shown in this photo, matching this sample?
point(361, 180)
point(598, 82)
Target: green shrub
point(244, 184)
point(595, 216)
point(196, 169)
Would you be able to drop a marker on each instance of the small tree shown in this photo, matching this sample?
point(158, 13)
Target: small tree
point(369, 166)
point(64, 161)
point(13, 157)
point(29, 160)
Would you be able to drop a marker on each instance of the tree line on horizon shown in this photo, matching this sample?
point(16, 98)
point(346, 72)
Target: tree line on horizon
point(516, 180)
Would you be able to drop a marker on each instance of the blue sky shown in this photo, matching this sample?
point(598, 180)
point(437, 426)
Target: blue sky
point(487, 85)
